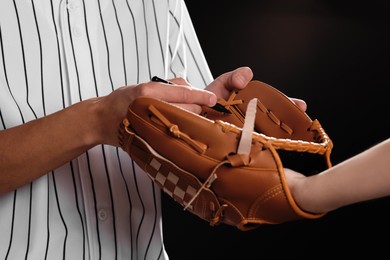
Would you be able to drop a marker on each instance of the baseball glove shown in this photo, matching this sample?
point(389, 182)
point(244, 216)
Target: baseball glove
point(226, 167)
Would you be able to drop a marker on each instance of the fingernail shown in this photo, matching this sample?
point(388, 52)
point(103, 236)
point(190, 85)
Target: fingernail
point(213, 100)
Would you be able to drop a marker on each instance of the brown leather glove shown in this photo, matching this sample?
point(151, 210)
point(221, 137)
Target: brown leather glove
point(226, 167)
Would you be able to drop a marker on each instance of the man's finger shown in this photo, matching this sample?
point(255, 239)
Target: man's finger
point(179, 94)
point(236, 79)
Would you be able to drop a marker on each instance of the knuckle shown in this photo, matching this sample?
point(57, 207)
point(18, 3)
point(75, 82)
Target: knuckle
point(144, 89)
point(181, 81)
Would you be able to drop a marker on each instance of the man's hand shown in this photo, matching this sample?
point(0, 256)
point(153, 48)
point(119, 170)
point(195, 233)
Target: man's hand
point(225, 83)
point(238, 79)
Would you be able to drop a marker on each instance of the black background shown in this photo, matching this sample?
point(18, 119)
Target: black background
point(335, 56)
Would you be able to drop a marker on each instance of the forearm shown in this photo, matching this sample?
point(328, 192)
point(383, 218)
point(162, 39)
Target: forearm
point(363, 177)
point(30, 150)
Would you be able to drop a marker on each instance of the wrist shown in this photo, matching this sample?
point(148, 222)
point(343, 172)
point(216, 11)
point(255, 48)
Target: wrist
point(86, 122)
point(104, 121)
point(300, 187)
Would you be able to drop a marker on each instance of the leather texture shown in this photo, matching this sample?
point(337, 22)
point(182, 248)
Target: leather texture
point(194, 158)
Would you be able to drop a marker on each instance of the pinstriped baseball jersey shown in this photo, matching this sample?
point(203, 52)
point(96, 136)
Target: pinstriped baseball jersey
point(57, 53)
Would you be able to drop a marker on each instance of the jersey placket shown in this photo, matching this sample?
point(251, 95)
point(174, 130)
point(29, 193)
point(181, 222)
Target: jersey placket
point(82, 85)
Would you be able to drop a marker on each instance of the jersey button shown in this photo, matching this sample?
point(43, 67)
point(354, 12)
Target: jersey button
point(73, 5)
point(77, 32)
point(102, 214)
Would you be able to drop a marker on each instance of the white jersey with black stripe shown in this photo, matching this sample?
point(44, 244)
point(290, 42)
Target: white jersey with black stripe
point(54, 54)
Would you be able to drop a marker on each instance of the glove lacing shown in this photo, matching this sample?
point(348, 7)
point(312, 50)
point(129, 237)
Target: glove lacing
point(242, 157)
point(230, 101)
